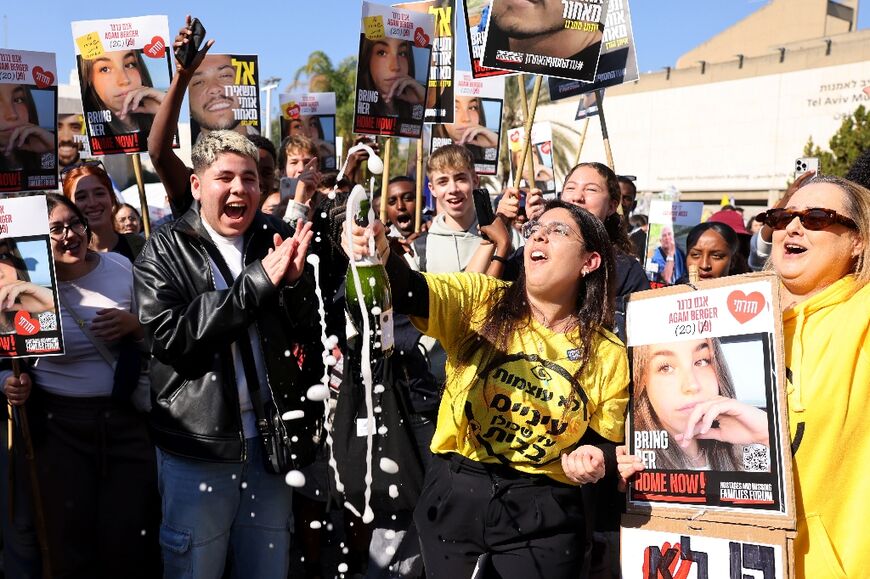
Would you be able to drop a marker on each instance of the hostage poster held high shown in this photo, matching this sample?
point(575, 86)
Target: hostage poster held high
point(311, 115)
point(477, 124)
point(393, 73)
point(31, 326)
point(124, 69)
point(28, 138)
point(561, 39)
point(476, 20)
point(707, 412)
point(542, 155)
point(224, 94)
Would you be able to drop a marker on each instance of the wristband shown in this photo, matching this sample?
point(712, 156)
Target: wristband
point(669, 258)
point(499, 259)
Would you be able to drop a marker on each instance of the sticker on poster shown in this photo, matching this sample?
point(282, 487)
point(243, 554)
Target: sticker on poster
point(542, 155)
point(31, 325)
point(439, 95)
point(224, 94)
point(477, 125)
point(311, 115)
point(669, 226)
point(561, 39)
point(476, 19)
point(393, 72)
point(28, 138)
point(125, 68)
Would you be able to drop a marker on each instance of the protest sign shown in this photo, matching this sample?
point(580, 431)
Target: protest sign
point(542, 154)
point(125, 67)
point(561, 39)
point(656, 547)
point(311, 115)
point(669, 224)
point(617, 63)
point(439, 96)
point(28, 139)
point(477, 125)
point(31, 326)
point(707, 412)
point(72, 139)
point(225, 95)
point(394, 54)
point(588, 106)
point(476, 19)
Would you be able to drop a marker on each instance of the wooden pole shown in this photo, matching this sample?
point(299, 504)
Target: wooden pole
point(143, 201)
point(599, 99)
point(418, 216)
point(530, 119)
point(385, 180)
point(530, 164)
point(582, 140)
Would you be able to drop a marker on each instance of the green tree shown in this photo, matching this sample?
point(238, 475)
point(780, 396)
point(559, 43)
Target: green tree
point(319, 74)
point(847, 144)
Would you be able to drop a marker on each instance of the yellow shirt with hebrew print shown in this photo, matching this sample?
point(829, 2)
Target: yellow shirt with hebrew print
point(522, 409)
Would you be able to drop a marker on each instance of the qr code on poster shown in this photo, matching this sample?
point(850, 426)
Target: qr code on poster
point(47, 321)
point(756, 458)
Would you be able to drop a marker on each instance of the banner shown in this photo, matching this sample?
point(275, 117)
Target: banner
point(439, 96)
point(31, 325)
point(476, 20)
point(617, 63)
point(28, 105)
point(125, 67)
point(224, 94)
point(706, 415)
point(542, 154)
point(477, 125)
point(312, 115)
point(394, 52)
point(669, 226)
point(561, 39)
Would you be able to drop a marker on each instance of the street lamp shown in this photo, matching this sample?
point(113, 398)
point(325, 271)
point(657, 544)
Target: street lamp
point(271, 84)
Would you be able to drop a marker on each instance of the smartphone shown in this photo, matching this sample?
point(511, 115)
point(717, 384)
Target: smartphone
point(483, 207)
point(806, 164)
point(287, 188)
point(187, 52)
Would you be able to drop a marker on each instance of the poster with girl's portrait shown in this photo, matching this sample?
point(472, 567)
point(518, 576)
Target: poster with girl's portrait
point(224, 94)
point(125, 67)
point(706, 414)
point(29, 311)
point(311, 115)
point(542, 155)
point(28, 105)
point(393, 72)
point(477, 122)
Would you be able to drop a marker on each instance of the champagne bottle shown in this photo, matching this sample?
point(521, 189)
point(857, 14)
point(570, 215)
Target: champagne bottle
point(374, 285)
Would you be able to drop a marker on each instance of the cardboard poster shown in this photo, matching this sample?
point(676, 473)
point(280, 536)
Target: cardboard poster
point(477, 125)
point(707, 412)
point(588, 105)
point(395, 48)
point(72, 140)
point(561, 39)
point(125, 67)
point(439, 95)
point(669, 226)
point(31, 326)
point(652, 548)
point(542, 155)
point(224, 94)
point(476, 20)
point(618, 61)
point(312, 115)
point(28, 138)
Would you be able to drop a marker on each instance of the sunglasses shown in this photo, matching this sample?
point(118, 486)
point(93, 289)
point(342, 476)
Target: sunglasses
point(91, 163)
point(813, 219)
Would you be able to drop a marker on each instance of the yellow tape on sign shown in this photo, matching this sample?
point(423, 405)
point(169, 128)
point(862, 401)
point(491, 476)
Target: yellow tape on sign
point(374, 26)
point(90, 45)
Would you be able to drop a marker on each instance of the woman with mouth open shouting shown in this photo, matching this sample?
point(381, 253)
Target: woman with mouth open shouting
point(536, 391)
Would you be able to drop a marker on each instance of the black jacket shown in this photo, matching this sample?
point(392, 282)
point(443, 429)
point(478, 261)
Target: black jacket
point(190, 326)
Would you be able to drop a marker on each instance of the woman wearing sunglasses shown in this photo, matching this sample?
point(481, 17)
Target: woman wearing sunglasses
point(535, 394)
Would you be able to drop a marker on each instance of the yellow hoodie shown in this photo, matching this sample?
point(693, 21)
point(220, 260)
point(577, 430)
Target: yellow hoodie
point(827, 357)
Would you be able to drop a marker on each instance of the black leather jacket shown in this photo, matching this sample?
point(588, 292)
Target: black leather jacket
point(190, 326)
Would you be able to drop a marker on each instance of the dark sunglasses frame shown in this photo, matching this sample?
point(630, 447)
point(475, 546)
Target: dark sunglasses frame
point(90, 163)
point(814, 219)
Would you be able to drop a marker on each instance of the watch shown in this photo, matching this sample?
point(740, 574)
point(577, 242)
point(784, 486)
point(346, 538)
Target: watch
point(669, 258)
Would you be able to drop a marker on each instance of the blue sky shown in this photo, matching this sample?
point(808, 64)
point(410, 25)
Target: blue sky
point(283, 33)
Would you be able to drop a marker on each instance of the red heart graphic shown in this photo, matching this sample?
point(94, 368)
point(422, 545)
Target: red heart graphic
point(745, 307)
point(25, 325)
point(545, 148)
point(515, 136)
point(420, 37)
point(43, 78)
point(293, 111)
point(156, 49)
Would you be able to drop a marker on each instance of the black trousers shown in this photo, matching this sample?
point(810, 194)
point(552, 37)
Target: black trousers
point(527, 526)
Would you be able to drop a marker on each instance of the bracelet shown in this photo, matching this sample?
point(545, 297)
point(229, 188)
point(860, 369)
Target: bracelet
point(499, 259)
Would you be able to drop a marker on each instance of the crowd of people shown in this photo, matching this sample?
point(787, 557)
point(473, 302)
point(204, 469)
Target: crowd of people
point(177, 435)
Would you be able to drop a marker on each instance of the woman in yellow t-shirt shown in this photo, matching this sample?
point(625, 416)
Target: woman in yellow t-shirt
point(535, 396)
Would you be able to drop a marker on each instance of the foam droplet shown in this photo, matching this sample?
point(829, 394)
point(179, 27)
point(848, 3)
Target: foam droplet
point(378, 389)
point(388, 465)
point(369, 515)
point(376, 311)
point(342, 567)
point(390, 550)
point(394, 494)
point(382, 430)
point(313, 259)
point(293, 415)
point(295, 479)
point(318, 393)
point(203, 487)
point(332, 340)
point(330, 360)
point(315, 524)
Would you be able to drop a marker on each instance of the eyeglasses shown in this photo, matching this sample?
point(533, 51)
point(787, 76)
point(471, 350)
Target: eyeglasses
point(91, 163)
point(814, 219)
point(58, 232)
point(532, 228)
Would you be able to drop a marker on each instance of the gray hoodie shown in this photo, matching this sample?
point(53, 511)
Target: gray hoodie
point(448, 250)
